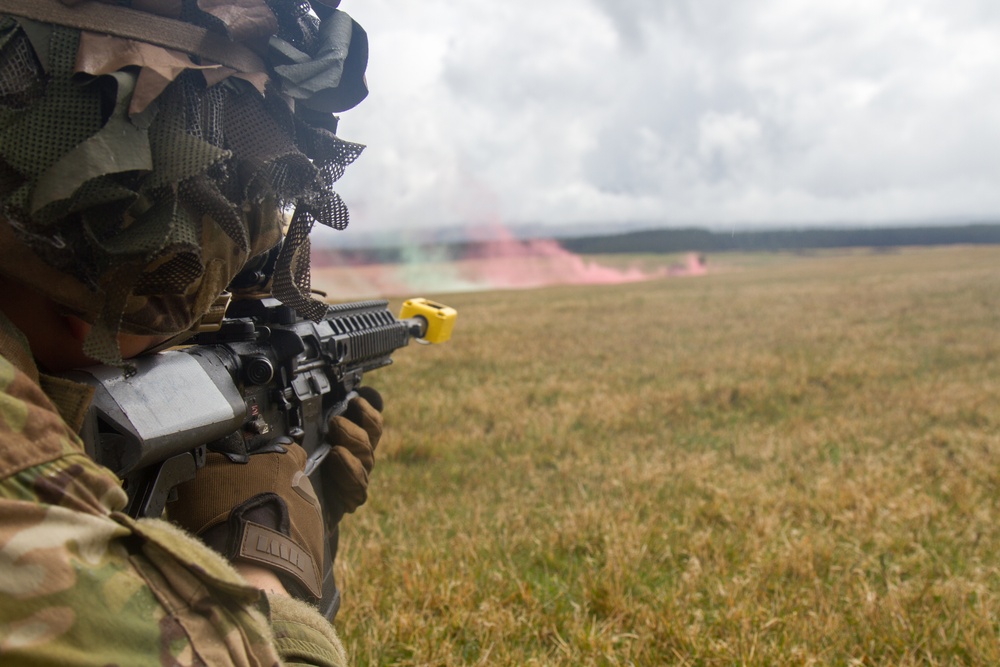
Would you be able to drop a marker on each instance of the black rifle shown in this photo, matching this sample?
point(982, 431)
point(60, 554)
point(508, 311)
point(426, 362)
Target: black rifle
point(266, 378)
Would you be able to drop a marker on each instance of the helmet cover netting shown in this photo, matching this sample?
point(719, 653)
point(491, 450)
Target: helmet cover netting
point(134, 209)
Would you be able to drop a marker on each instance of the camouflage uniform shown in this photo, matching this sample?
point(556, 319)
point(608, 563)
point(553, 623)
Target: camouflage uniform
point(82, 583)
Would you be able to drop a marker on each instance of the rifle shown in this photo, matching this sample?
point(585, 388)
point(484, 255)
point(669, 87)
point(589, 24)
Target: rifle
point(265, 378)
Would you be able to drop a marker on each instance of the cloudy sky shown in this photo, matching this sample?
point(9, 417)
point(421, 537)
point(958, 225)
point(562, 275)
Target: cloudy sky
point(676, 112)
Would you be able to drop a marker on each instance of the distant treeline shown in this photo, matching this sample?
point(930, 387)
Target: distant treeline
point(703, 240)
point(684, 240)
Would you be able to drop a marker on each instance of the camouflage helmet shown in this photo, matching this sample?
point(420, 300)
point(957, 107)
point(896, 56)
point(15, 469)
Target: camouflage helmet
point(149, 149)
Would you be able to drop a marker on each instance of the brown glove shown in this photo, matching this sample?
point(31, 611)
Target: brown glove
point(353, 437)
point(264, 511)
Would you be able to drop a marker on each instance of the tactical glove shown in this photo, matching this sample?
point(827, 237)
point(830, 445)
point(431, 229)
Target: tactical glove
point(353, 437)
point(264, 511)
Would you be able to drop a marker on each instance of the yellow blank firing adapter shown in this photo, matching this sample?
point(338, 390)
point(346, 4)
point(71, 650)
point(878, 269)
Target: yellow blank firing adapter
point(436, 320)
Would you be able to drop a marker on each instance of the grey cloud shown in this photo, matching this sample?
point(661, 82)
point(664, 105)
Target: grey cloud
point(765, 109)
point(780, 92)
point(631, 18)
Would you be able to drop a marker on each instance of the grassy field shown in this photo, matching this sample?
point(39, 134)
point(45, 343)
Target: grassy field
point(793, 460)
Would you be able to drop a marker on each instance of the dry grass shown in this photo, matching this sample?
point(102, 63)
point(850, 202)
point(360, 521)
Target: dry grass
point(792, 461)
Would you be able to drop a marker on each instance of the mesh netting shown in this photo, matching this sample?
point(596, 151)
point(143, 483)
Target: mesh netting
point(295, 23)
point(21, 79)
point(209, 169)
point(36, 137)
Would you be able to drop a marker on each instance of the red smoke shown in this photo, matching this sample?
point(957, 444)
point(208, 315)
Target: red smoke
point(507, 263)
point(510, 263)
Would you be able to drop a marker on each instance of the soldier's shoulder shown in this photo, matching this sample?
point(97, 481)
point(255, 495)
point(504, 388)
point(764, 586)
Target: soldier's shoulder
point(31, 430)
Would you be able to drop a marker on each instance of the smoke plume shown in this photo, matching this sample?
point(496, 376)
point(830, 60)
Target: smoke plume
point(506, 263)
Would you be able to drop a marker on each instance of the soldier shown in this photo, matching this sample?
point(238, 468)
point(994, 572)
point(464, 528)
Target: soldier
point(147, 152)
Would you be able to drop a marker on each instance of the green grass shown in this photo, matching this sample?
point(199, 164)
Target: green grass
point(792, 460)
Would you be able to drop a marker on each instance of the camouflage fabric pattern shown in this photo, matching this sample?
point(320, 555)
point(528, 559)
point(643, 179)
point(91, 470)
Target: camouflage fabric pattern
point(82, 583)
